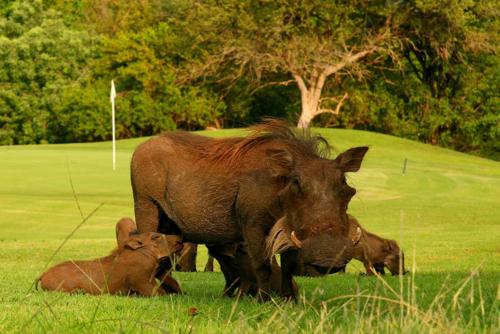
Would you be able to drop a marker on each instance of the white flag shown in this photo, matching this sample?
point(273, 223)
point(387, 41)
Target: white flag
point(112, 95)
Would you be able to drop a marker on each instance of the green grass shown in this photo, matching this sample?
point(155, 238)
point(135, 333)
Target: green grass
point(445, 213)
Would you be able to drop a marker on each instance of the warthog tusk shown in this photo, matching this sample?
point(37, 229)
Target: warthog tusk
point(295, 240)
point(357, 236)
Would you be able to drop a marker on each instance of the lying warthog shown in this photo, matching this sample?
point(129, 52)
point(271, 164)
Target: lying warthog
point(227, 190)
point(126, 229)
point(130, 269)
point(375, 253)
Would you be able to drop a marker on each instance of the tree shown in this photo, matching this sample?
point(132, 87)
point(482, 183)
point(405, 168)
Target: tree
point(40, 58)
point(446, 45)
point(439, 37)
point(303, 42)
point(140, 64)
point(445, 90)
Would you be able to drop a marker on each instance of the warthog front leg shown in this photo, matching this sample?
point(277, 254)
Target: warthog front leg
point(255, 237)
point(168, 284)
point(228, 267)
point(289, 261)
point(210, 264)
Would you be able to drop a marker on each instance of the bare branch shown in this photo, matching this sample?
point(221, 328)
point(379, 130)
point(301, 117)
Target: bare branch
point(274, 83)
point(326, 110)
point(337, 109)
point(328, 98)
point(300, 82)
point(341, 103)
point(415, 69)
point(331, 69)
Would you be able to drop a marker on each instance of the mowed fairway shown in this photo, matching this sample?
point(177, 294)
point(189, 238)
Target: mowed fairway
point(444, 211)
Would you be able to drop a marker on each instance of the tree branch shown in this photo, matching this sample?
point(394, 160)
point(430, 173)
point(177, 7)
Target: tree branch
point(314, 78)
point(274, 83)
point(300, 82)
point(331, 69)
point(415, 69)
point(325, 110)
point(337, 109)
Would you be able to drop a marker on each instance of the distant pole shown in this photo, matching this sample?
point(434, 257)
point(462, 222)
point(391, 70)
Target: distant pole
point(112, 96)
point(404, 165)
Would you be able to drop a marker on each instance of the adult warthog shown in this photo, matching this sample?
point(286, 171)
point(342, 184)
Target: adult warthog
point(226, 190)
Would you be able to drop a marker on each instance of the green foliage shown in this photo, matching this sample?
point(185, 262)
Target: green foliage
point(440, 84)
point(39, 59)
point(417, 115)
point(55, 81)
point(468, 121)
point(146, 82)
point(445, 89)
point(80, 114)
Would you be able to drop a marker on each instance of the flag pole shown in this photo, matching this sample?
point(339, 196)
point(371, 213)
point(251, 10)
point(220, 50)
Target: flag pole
point(112, 98)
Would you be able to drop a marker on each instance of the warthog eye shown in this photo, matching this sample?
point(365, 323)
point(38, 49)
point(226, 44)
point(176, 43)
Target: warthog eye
point(295, 183)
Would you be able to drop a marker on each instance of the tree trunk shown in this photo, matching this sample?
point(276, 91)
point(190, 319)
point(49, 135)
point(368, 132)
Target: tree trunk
point(304, 120)
point(309, 110)
point(310, 99)
point(311, 96)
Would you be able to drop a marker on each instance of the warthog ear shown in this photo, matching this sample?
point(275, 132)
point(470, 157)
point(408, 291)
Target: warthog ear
point(350, 160)
point(280, 161)
point(391, 246)
point(134, 244)
point(125, 228)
